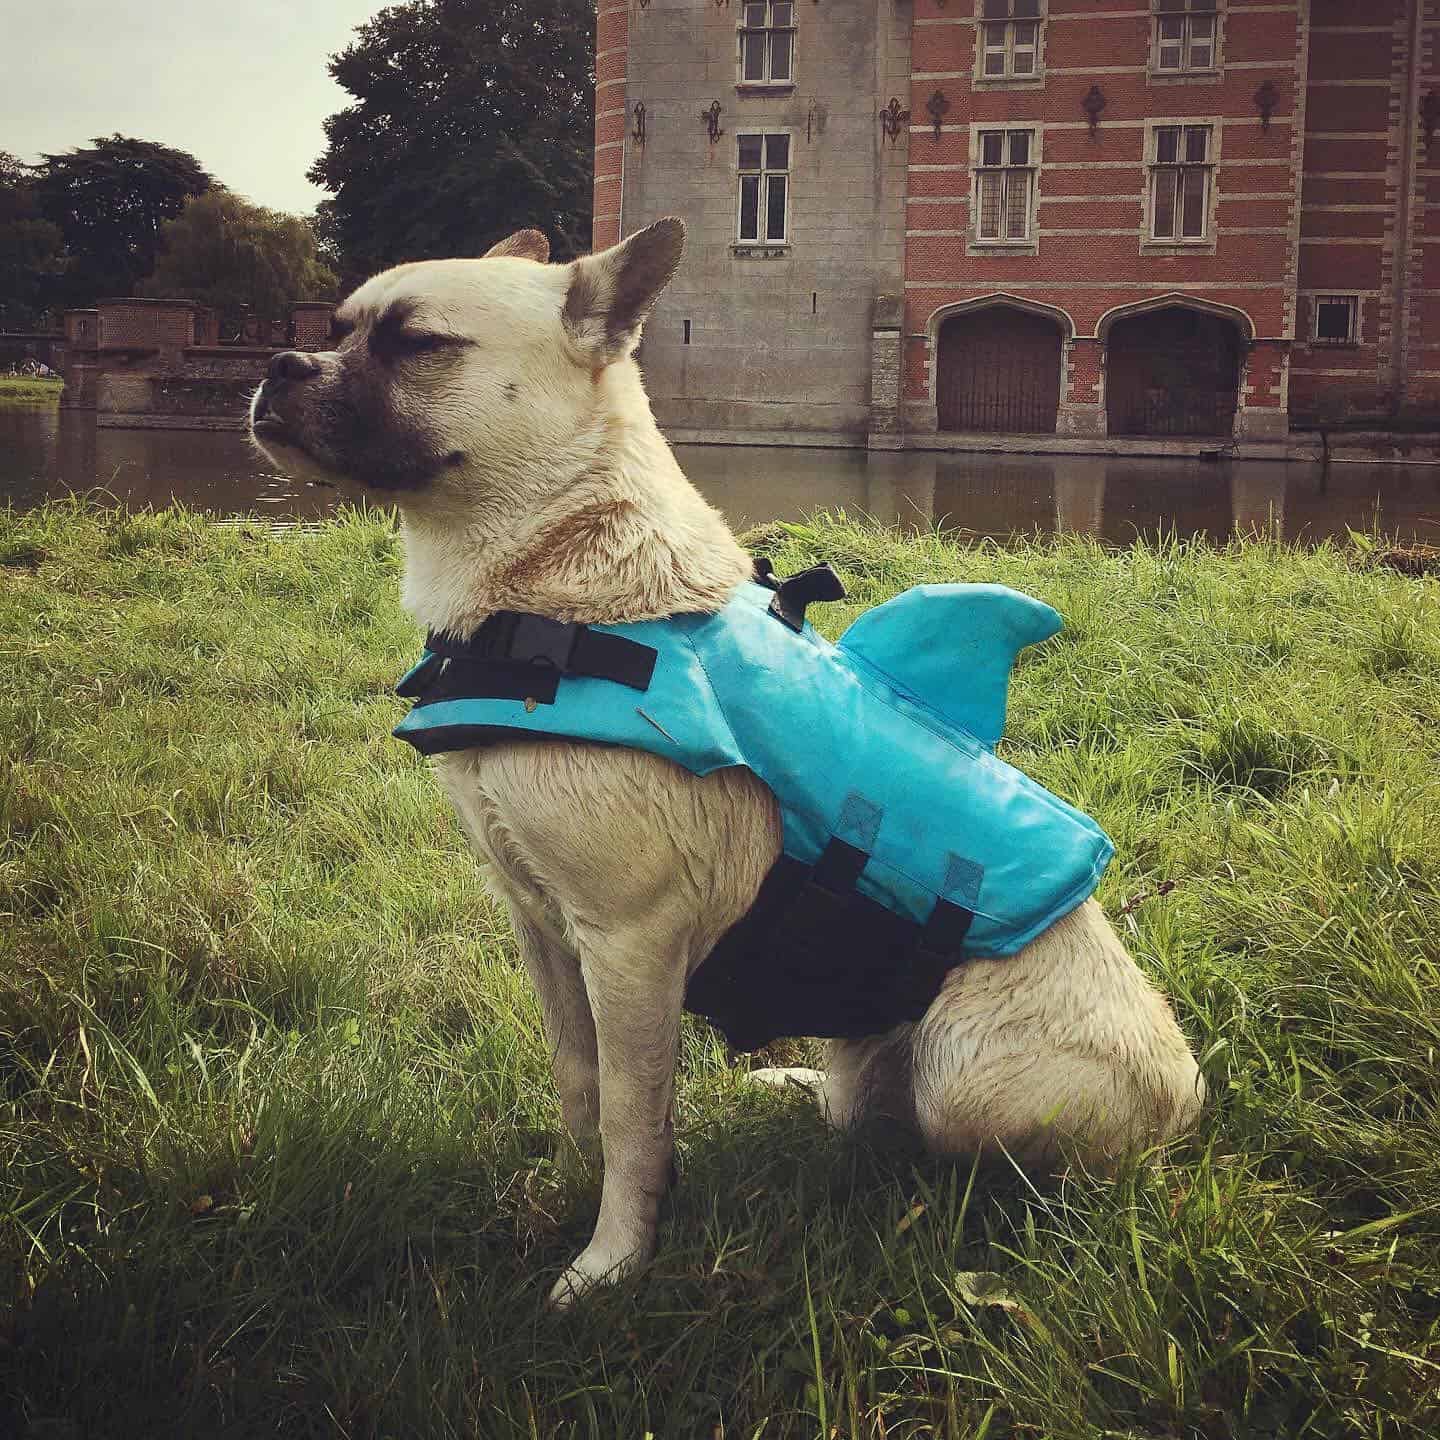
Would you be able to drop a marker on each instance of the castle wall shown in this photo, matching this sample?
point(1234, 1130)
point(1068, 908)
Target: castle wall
point(1321, 200)
point(768, 337)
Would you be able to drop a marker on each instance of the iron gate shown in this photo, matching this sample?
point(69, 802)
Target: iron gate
point(998, 369)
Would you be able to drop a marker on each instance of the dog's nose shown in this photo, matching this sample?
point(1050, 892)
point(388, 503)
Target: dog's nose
point(290, 365)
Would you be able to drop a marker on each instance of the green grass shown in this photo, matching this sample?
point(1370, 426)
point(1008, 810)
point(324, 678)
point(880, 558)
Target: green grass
point(23, 390)
point(278, 1148)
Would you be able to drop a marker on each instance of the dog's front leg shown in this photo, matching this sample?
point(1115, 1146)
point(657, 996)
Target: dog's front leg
point(569, 1026)
point(636, 1004)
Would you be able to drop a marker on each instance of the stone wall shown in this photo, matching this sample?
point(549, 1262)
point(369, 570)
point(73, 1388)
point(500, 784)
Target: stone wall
point(767, 338)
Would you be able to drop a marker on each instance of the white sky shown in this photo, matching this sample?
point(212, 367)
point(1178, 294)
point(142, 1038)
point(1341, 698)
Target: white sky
point(241, 84)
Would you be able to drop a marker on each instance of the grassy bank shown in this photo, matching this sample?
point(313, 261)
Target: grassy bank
point(22, 390)
point(278, 1149)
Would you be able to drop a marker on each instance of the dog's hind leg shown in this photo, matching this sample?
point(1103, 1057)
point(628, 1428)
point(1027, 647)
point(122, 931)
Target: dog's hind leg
point(1063, 1049)
point(864, 1079)
point(870, 1079)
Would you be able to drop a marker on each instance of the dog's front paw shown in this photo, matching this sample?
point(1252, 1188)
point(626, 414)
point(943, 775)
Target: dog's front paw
point(590, 1268)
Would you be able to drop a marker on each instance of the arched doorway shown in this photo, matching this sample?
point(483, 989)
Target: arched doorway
point(1173, 371)
point(998, 369)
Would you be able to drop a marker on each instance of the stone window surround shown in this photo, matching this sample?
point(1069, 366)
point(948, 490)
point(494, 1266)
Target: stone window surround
point(1202, 245)
point(1357, 299)
point(1031, 244)
point(764, 249)
point(766, 87)
point(1209, 75)
point(1033, 81)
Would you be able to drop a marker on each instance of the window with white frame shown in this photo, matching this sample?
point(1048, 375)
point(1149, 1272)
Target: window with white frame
point(767, 42)
point(1004, 182)
point(1180, 182)
point(1009, 39)
point(764, 168)
point(1185, 35)
point(1335, 319)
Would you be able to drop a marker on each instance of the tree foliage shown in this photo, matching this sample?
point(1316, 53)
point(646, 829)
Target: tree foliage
point(31, 249)
point(109, 201)
point(226, 252)
point(472, 118)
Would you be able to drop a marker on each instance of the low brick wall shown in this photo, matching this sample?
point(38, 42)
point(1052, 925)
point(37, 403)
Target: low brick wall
point(140, 375)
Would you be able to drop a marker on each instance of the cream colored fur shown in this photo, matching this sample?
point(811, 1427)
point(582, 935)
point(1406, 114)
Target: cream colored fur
point(620, 870)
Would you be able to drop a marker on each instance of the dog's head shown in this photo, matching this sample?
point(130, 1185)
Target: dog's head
point(449, 376)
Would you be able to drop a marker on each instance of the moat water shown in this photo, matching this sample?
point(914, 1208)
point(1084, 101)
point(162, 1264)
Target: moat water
point(45, 452)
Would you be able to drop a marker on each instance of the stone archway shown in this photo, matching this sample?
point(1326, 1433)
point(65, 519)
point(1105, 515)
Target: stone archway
point(997, 368)
point(1172, 371)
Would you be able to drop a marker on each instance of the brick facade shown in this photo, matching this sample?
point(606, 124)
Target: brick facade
point(1319, 203)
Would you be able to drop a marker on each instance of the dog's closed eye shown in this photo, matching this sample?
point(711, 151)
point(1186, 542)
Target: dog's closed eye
point(389, 342)
point(410, 342)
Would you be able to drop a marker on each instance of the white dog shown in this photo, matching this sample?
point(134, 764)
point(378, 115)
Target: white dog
point(497, 402)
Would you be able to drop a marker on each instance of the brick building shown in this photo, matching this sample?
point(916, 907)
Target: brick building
point(913, 221)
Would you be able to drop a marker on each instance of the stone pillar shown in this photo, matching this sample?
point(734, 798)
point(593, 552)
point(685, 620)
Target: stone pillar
point(919, 403)
point(885, 422)
point(310, 324)
point(1261, 413)
point(82, 329)
point(1082, 404)
point(82, 341)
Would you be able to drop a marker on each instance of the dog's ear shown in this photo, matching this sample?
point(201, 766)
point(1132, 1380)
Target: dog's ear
point(611, 293)
point(524, 244)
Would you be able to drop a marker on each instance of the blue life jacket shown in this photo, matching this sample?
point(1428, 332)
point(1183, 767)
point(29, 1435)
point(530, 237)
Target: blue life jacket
point(908, 847)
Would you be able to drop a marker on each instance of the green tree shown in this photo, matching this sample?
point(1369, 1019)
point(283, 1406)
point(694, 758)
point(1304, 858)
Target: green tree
point(109, 200)
point(31, 249)
point(472, 118)
point(226, 252)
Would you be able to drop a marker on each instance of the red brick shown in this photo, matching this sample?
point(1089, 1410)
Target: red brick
point(1339, 267)
point(610, 30)
point(1351, 57)
point(1246, 213)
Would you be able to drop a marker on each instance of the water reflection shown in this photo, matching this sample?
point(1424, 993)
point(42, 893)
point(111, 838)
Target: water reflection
point(1114, 499)
point(48, 452)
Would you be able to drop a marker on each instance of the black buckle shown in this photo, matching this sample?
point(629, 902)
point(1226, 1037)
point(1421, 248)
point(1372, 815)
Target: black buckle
point(538, 639)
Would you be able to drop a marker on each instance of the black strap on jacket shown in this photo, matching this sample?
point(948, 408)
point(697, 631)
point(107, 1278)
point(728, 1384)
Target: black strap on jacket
point(519, 656)
point(804, 588)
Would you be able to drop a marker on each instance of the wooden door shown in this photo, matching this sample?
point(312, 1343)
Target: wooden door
point(998, 370)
